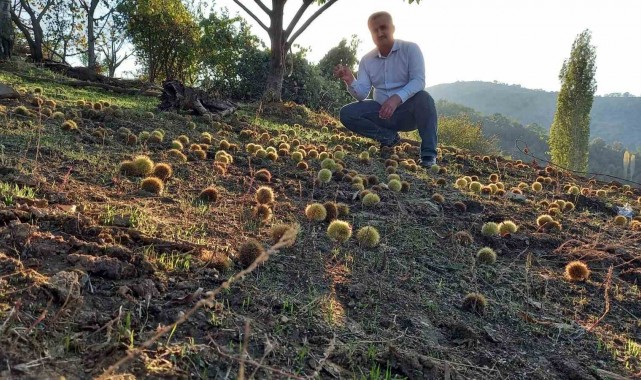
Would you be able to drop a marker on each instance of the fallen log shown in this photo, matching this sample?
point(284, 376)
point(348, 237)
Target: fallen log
point(176, 96)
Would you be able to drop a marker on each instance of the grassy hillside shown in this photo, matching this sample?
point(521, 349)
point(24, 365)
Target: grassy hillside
point(613, 118)
point(92, 266)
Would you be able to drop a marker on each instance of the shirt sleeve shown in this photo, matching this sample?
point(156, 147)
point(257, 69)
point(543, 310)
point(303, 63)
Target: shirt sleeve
point(416, 73)
point(361, 86)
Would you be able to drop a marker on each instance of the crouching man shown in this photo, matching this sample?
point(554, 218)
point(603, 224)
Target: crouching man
point(396, 70)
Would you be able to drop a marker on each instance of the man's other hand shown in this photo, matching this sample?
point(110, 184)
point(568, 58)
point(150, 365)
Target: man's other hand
point(343, 72)
point(388, 108)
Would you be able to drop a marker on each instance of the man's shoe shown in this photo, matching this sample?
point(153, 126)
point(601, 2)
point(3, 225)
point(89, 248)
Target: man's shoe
point(388, 149)
point(427, 162)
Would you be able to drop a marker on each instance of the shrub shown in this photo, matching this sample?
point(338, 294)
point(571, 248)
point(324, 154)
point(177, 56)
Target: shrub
point(486, 255)
point(249, 252)
point(264, 195)
point(537, 186)
point(405, 186)
point(476, 186)
point(461, 183)
point(461, 132)
point(368, 237)
point(316, 212)
point(577, 271)
point(152, 185)
point(339, 231)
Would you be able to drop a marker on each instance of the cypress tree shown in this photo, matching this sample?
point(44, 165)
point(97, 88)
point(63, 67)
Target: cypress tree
point(570, 131)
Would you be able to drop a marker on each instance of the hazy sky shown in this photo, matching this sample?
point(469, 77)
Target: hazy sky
point(511, 41)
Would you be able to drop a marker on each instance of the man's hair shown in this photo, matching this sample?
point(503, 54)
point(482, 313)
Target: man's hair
point(376, 15)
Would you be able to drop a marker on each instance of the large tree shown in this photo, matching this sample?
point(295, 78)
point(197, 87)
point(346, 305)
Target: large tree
point(281, 37)
point(165, 37)
point(6, 29)
point(570, 131)
point(28, 17)
point(97, 14)
point(113, 41)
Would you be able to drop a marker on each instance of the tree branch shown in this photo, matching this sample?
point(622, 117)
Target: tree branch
point(263, 7)
point(299, 14)
point(310, 20)
point(45, 9)
point(23, 28)
point(253, 15)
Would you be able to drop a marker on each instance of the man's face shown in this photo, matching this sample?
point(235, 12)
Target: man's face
point(382, 31)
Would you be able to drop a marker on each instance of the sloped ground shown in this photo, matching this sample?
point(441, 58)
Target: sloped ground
point(91, 266)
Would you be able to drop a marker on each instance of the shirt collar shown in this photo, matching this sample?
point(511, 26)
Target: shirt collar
point(394, 48)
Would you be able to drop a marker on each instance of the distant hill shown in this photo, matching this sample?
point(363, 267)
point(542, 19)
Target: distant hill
point(613, 118)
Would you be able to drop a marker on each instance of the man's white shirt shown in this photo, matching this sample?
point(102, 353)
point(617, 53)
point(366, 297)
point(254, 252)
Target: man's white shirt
point(402, 72)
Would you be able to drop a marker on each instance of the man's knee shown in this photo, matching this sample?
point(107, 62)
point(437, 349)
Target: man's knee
point(423, 97)
point(347, 115)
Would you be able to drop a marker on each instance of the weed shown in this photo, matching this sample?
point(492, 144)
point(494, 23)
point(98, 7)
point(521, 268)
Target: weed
point(8, 192)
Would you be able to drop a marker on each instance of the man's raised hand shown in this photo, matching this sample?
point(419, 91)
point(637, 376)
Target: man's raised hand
point(343, 72)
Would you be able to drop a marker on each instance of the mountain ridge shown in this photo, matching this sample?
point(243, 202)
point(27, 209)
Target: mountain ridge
point(613, 118)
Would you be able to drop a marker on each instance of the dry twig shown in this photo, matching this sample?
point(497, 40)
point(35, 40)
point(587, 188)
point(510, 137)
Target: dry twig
point(287, 240)
point(606, 284)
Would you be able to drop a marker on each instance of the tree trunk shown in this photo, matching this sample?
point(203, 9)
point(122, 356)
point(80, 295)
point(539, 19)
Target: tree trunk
point(36, 49)
point(35, 41)
point(6, 29)
point(176, 96)
point(279, 47)
point(91, 38)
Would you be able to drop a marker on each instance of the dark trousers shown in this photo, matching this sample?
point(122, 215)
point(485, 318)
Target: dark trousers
point(418, 112)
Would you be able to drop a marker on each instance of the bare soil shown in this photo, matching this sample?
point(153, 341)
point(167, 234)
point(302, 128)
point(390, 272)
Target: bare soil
point(91, 266)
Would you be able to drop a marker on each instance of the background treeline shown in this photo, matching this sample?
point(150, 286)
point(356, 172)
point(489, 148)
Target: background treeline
point(173, 39)
point(615, 117)
point(605, 158)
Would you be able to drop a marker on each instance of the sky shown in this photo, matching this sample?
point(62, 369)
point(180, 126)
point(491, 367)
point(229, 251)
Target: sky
point(520, 42)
